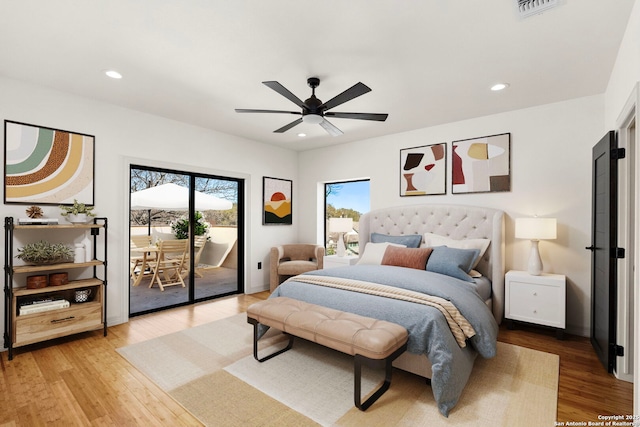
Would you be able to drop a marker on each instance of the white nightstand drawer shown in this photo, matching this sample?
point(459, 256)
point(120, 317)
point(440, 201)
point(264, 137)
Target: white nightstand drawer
point(536, 299)
point(538, 304)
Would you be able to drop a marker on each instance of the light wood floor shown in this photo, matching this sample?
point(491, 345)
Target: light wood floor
point(82, 380)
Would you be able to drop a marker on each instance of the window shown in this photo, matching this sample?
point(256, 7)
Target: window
point(348, 199)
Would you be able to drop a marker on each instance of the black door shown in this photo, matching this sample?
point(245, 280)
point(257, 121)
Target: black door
point(603, 249)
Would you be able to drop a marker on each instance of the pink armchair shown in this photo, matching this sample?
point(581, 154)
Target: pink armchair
point(289, 260)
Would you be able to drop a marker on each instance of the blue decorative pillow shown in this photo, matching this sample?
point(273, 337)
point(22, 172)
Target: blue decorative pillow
point(452, 262)
point(409, 240)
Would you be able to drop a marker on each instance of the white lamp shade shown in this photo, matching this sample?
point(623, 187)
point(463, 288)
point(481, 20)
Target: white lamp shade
point(340, 225)
point(536, 228)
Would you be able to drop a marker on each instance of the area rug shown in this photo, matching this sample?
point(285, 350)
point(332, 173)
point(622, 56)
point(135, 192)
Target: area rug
point(210, 370)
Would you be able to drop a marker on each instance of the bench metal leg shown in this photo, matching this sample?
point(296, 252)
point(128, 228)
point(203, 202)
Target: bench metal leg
point(359, 360)
point(357, 377)
point(255, 324)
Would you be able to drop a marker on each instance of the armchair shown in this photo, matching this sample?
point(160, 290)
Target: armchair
point(289, 260)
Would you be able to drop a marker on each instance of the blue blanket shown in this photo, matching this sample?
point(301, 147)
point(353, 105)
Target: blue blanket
point(429, 332)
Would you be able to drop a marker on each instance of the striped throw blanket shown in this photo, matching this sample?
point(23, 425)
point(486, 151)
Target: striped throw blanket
point(460, 327)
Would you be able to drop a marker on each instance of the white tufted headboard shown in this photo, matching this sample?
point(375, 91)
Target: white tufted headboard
point(455, 221)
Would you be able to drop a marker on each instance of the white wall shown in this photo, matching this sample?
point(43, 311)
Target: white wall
point(626, 71)
point(124, 136)
point(624, 77)
point(551, 176)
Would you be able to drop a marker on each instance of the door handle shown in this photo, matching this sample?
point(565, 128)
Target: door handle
point(591, 248)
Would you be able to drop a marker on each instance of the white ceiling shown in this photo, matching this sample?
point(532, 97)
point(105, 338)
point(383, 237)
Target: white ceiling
point(427, 62)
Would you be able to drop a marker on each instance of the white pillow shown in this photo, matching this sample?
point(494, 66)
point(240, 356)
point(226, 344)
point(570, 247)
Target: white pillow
point(432, 240)
point(374, 252)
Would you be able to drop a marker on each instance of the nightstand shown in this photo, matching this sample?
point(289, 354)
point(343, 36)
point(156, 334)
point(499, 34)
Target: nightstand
point(332, 261)
point(540, 300)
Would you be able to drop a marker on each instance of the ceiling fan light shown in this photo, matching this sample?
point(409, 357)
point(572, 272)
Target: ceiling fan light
point(314, 119)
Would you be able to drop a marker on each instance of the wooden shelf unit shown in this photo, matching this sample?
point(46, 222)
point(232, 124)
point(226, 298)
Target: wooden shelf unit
point(31, 328)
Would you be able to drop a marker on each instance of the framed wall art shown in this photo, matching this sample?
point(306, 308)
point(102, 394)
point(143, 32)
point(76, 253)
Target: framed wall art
point(481, 165)
point(47, 166)
point(423, 170)
point(277, 201)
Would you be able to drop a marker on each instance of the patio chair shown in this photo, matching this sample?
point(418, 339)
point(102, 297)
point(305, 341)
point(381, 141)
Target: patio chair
point(169, 267)
point(199, 243)
point(135, 261)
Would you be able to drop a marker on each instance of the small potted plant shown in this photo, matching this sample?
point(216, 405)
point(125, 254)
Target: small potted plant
point(180, 228)
point(43, 253)
point(78, 213)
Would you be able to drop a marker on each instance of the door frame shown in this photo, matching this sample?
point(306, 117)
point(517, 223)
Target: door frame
point(245, 235)
point(628, 138)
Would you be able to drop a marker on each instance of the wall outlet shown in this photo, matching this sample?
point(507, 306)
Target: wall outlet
point(259, 266)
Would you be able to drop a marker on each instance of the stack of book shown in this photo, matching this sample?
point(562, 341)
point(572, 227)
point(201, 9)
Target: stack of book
point(38, 306)
point(37, 221)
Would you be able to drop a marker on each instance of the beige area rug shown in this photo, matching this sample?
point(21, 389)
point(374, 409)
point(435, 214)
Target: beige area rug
point(210, 370)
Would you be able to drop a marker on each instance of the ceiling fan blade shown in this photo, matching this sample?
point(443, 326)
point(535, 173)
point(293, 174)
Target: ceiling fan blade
point(330, 128)
point(284, 92)
point(289, 126)
point(359, 116)
point(353, 92)
point(245, 110)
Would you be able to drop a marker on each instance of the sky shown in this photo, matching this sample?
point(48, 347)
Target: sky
point(352, 195)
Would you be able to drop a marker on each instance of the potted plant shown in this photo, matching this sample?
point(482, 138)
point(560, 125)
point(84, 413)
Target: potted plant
point(78, 213)
point(180, 228)
point(43, 253)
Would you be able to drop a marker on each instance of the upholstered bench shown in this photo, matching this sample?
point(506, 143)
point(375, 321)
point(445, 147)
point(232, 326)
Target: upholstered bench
point(370, 341)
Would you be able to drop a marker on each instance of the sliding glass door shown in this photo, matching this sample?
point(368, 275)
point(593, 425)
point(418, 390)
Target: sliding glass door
point(216, 259)
point(204, 212)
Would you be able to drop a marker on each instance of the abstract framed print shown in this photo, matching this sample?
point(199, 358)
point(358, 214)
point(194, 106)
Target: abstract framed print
point(47, 166)
point(277, 201)
point(481, 165)
point(423, 170)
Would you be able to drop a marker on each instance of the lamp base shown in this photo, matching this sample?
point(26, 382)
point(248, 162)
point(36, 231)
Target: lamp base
point(341, 250)
point(535, 262)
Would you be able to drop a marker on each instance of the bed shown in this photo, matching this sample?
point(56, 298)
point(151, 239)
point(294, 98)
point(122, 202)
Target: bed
point(389, 284)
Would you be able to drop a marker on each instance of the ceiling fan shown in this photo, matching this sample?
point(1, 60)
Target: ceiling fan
point(314, 111)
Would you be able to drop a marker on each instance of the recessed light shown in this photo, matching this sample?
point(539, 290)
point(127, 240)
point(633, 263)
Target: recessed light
point(113, 74)
point(302, 135)
point(499, 86)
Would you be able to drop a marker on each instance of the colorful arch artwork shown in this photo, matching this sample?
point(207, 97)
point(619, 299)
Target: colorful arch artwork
point(47, 166)
point(277, 201)
point(423, 170)
point(481, 165)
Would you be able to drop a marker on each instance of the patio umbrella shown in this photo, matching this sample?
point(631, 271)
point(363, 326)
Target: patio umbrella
point(171, 196)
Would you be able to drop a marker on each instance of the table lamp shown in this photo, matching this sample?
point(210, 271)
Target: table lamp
point(535, 229)
point(340, 226)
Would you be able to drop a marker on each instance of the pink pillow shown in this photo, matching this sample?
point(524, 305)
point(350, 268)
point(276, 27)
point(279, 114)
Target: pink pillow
point(407, 257)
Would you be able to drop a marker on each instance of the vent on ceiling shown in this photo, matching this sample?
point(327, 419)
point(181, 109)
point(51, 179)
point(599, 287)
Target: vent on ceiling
point(531, 7)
